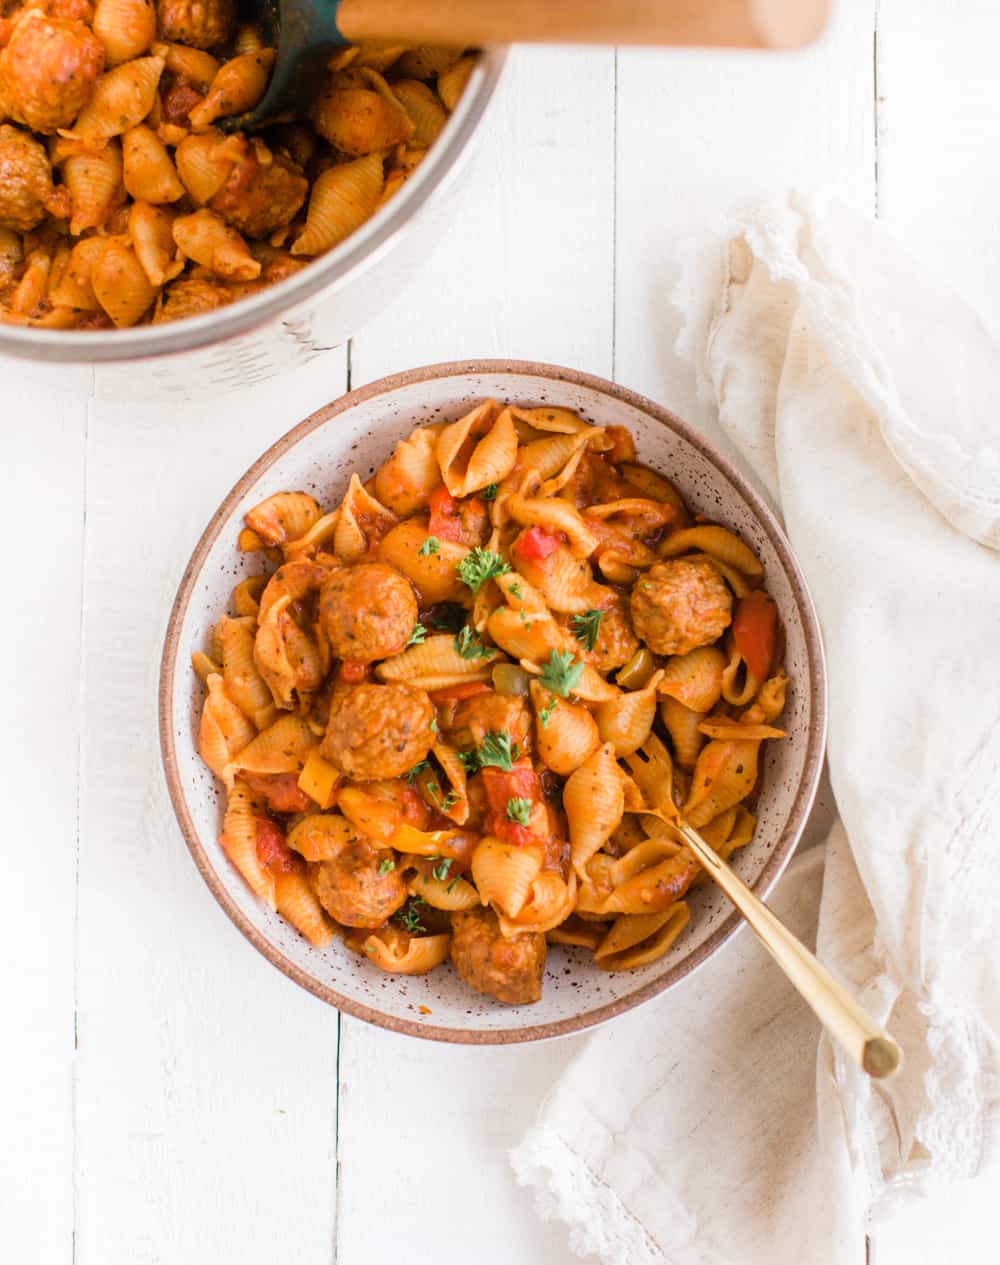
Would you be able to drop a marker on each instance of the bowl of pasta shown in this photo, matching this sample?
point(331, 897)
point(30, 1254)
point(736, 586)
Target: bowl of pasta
point(139, 219)
point(445, 670)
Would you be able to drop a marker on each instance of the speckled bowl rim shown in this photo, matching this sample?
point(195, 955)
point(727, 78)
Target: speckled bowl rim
point(817, 689)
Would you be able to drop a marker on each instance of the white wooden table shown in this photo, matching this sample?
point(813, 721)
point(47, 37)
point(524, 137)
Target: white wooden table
point(166, 1096)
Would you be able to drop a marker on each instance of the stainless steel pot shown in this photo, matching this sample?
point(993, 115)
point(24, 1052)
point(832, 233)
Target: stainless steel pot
point(288, 323)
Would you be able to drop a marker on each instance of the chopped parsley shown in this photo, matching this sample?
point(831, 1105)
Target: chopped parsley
point(545, 715)
point(434, 791)
point(519, 810)
point(586, 627)
point(434, 725)
point(489, 493)
point(441, 867)
point(469, 645)
point(560, 674)
point(418, 635)
point(481, 565)
point(497, 751)
point(417, 769)
point(431, 545)
point(470, 761)
point(516, 590)
point(409, 916)
point(385, 866)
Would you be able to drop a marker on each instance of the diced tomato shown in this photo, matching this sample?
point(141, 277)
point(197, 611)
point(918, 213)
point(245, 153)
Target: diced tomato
point(352, 672)
point(445, 522)
point(272, 852)
point(468, 689)
point(754, 626)
point(522, 782)
point(281, 791)
point(535, 543)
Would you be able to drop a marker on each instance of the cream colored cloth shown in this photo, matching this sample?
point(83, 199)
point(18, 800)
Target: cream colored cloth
point(701, 1130)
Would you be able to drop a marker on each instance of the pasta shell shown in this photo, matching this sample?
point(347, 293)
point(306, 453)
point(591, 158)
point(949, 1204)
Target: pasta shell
point(653, 771)
point(419, 955)
point(94, 181)
point(568, 736)
point(735, 579)
point(292, 582)
point(654, 888)
point(454, 771)
point(193, 64)
point(207, 239)
point(120, 284)
point(320, 534)
point(350, 539)
point(296, 901)
point(435, 664)
point(74, 288)
point(695, 679)
point(425, 111)
point(321, 836)
point(377, 54)
point(246, 595)
point(204, 667)
point(280, 748)
point(682, 724)
point(477, 450)
point(121, 98)
point(452, 895)
point(126, 28)
point(342, 198)
point(771, 698)
point(223, 731)
point(565, 582)
point(427, 61)
point(575, 931)
point(149, 173)
point(434, 574)
point(283, 517)
point(639, 939)
point(150, 230)
point(550, 902)
point(739, 685)
point(405, 482)
point(244, 684)
point(238, 86)
point(655, 486)
point(550, 419)
point(724, 774)
point(248, 39)
point(737, 730)
point(719, 542)
point(288, 659)
point(555, 453)
point(239, 842)
point(523, 635)
point(204, 163)
point(627, 721)
point(451, 84)
point(594, 801)
point(555, 515)
point(503, 874)
point(359, 115)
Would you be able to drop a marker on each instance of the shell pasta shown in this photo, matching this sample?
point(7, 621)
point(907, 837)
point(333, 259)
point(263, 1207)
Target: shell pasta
point(462, 711)
point(111, 108)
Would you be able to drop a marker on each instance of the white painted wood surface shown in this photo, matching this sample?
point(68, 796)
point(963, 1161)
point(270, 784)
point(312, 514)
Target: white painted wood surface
point(165, 1096)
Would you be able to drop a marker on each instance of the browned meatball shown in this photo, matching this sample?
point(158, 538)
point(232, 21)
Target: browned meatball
point(475, 717)
point(202, 23)
point(26, 191)
point(351, 889)
point(508, 969)
point(259, 197)
point(616, 643)
point(368, 612)
point(379, 731)
point(48, 71)
point(190, 297)
point(680, 605)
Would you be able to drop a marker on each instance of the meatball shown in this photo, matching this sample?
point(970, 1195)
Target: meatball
point(190, 297)
point(26, 191)
point(201, 23)
point(353, 891)
point(379, 731)
point(616, 643)
point(259, 197)
point(680, 605)
point(508, 969)
point(487, 713)
point(367, 612)
point(48, 71)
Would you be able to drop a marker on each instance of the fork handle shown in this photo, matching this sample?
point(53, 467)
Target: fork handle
point(833, 1005)
point(723, 23)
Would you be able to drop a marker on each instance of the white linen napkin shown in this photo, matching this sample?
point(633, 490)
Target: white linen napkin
point(700, 1129)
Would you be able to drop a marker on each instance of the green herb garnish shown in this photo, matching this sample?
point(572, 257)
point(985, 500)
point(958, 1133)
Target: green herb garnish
point(470, 761)
point(440, 870)
point(515, 590)
point(479, 566)
point(409, 916)
point(418, 635)
point(385, 866)
point(434, 725)
point(469, 645)
point(489, 493)
point(586, 627)
point(519, 810)
point(560, 674)
point(430, 545)
point(497, 751)
point(417, 769)
point(545, 715)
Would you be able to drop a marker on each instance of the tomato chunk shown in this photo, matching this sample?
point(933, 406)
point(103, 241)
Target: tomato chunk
point(535, 543)
point(272, 852)
point(281, 791)
point(445, 522)
point(521, 782)
point(754, 627)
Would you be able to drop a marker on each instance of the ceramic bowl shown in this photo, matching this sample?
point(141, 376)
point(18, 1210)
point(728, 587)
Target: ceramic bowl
point(357, 432)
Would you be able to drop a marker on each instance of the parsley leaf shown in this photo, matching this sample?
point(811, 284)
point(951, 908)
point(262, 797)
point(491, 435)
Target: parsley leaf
point(441, 868)
point(479, 566)
point(430, 545)
point(519, 810)
point(418, 635)
point(417, 769)
point(545, 715)
point(409, 916)
point(489, 493)
point(469, 645)
point(516, 590)
point(586, 627)
point(497, 751)
point(434, 725)
point(560, 674)
point(385, 866)
point(470, 761)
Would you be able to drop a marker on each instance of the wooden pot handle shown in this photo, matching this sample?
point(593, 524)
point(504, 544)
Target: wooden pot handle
point(709, 23)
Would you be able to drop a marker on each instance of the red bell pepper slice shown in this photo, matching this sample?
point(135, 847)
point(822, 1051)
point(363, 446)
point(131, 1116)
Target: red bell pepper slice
point(754, 627)
point(535, 544)
point(445, 522)
point(501, 786)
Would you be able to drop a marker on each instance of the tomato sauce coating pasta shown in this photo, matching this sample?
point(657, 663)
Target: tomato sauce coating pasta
point(463, 714)
point(112, 109)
